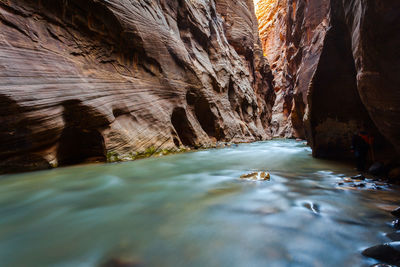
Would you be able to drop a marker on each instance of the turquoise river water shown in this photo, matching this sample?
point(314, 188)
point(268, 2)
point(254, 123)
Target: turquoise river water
point(193, 209)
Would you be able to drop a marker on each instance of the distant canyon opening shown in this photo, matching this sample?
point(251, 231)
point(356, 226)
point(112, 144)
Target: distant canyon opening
point(312, 51)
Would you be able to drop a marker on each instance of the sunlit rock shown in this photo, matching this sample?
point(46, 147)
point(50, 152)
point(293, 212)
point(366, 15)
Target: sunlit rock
point(258, 176)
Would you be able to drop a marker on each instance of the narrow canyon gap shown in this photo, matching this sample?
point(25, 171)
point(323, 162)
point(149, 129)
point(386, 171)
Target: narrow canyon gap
point(335, 70)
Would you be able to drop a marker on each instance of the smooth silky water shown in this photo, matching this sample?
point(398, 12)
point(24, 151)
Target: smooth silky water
point(193, 210)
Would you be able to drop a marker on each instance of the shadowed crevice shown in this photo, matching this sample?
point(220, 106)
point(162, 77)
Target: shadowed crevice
point(183, 127)
point(81, 140)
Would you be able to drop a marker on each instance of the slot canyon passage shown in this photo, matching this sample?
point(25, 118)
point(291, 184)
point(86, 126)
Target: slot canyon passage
point(266, 98)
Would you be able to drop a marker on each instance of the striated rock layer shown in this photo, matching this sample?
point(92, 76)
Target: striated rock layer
point(83, 78)
point(336, 65)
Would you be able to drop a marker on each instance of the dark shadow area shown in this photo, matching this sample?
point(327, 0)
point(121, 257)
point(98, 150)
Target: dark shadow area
point(80, 140)
point(336, 110)
point(15, 133)
point(80, 145)
point(205, 117)
point(182, 127)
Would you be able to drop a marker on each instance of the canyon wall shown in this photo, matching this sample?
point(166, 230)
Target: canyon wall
point(336, 67)
point(83, 79)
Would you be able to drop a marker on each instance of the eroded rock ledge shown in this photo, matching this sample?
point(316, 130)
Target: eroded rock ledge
point(336, 67)
point(81, 78)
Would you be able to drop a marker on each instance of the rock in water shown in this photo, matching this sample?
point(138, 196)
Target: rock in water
point(396, 212)
point(396, 224)
point(394, 174)
point(314, 207)
point(358, 177)
point(263, 176)
point(389, 253)
point(376, 168)
point(395, 236)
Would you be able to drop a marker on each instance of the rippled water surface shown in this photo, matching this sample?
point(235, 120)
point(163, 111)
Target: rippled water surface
point(193, 210)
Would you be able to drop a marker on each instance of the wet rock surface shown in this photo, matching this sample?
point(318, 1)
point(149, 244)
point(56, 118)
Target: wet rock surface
point(396, 212)
point(361, 182)
point(257, 176)
point(395, 236)
point(389, 252)
point(126, 76)
point(396, 224)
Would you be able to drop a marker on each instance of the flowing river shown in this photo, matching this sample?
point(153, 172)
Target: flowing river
point(193, 209)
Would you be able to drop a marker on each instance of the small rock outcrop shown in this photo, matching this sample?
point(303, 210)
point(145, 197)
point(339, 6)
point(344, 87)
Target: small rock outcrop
point(84, 78)
point(388, 253)
point(256, 176)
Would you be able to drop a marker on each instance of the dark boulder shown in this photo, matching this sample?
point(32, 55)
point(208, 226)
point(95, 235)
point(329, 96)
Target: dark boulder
point(358, 177)
point(388, 253)
point(396, 212)
point(395, 236)
point(396, 224)
point(376, 168)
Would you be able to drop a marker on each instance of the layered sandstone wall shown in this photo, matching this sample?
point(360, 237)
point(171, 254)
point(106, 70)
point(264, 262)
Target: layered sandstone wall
point(336, 68)
point(80, 79)
point(292, 34)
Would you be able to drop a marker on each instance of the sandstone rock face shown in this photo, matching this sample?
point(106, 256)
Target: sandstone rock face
point(338, 67)
point(292, 34)
point(375, 33)
point(82, 78)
